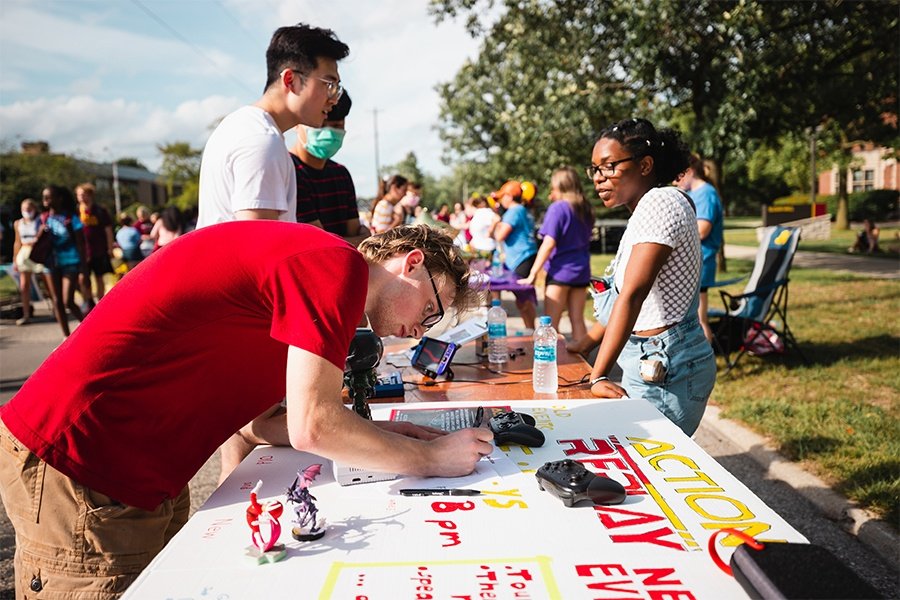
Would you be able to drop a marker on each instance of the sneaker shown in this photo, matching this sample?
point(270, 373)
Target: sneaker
point(23, 321)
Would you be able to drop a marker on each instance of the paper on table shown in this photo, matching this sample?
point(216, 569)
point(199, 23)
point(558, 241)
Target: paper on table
point(399, 359)
point(494, 465)
point(501, 463)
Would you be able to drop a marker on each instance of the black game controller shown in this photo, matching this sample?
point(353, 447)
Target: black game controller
point(515, 428)
point(571, 482)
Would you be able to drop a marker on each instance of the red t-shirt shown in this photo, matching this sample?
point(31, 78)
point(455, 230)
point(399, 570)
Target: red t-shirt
point(187, 348)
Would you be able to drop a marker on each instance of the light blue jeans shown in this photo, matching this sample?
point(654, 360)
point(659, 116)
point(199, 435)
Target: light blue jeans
point(684, 352)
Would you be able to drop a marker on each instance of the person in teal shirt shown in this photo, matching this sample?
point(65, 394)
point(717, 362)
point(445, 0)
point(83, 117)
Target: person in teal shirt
point(516, 232)
point(63, 224)
point(710, 225)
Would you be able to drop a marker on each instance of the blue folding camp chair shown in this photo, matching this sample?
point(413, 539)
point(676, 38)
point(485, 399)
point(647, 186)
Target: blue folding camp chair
point(756, 321)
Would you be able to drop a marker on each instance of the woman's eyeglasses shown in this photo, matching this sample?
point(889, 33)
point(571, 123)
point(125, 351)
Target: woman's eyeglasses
point(607, 170)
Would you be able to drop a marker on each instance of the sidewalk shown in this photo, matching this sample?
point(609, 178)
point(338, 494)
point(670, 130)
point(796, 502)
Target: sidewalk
point(882, 268)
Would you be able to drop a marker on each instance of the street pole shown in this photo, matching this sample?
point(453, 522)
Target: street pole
point(115, 171)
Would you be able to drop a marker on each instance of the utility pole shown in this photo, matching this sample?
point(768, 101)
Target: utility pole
point(115, 173)
point(377, 164)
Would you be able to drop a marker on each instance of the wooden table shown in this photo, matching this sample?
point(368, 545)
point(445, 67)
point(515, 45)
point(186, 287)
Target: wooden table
point(474, 381)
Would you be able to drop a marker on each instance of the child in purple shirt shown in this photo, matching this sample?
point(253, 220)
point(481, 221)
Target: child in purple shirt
point(565, 251)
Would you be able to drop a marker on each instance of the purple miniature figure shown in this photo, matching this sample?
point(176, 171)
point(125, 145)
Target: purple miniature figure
point(308, 526)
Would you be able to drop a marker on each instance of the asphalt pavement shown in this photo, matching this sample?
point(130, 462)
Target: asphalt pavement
point(869, 547)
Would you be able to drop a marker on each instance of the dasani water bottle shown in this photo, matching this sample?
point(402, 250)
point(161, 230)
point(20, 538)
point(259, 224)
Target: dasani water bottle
point(496, 320)
point(544, 374)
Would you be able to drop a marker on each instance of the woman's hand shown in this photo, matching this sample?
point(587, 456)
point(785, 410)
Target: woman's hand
point(607, 389)
point(527, 280)
point(575, 346)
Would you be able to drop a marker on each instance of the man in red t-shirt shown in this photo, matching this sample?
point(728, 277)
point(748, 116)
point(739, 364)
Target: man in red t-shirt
point(118, 419)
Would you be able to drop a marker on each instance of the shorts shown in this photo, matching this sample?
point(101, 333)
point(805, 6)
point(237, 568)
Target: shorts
point(74, 542)
point(708, 272)
point(24, 264)
point(66, 269)
point(98, 265)
point(690, 372)
point(552, 281)
point(522, 270)
point(684, 352)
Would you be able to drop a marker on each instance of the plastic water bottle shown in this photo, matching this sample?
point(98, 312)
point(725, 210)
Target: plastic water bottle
point(544, 374)
point(496, 319)
point(496, 265)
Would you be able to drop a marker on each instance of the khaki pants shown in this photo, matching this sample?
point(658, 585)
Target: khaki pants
point(73, 542)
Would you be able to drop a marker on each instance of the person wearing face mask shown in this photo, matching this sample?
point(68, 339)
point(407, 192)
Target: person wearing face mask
point(326, 196)
point(26, 230)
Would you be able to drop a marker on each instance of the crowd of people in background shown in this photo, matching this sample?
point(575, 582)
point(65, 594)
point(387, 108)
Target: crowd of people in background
point(88, 251)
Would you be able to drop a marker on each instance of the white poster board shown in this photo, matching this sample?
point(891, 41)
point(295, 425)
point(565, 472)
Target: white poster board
point(512, 541)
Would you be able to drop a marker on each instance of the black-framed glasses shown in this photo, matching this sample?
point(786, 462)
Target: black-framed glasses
point(607, 170)
point(432, 320)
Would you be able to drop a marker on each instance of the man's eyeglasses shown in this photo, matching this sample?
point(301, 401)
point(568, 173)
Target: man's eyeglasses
point(607, 170)
point(334, 89)
point(432, 320)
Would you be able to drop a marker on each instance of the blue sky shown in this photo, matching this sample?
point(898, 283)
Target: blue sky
point(103, 79)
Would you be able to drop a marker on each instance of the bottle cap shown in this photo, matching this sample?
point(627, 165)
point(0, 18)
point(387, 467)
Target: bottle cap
point(545, 320)
point(495, 302)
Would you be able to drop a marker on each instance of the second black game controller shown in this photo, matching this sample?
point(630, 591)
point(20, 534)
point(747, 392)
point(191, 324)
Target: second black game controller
point(515, 428)
point(571, 482)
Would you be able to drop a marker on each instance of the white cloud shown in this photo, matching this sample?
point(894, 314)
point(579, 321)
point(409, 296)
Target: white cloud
point(85, 48)
point(102, 130)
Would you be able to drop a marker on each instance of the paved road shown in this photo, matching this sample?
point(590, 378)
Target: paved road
point(23, 348)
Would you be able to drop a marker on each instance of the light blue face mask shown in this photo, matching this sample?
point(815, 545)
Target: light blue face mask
point(325, 142)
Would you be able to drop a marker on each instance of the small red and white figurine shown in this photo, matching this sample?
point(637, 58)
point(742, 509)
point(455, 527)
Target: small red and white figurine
point(265, 528)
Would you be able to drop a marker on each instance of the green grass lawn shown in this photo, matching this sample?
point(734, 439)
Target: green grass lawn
point(839, 416)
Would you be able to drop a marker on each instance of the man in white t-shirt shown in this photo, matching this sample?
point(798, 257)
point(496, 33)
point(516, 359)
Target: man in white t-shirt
point(246, 171)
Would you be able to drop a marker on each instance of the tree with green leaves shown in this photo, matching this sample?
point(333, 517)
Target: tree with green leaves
point(181, 165)
point(129, 161)
point(25, 175)
point(729, 74)
point(408, 167)
point(535, 97)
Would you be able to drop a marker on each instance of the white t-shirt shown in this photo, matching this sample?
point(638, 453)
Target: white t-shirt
point(479, 227)
point(664, 216)
point(245, 166)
